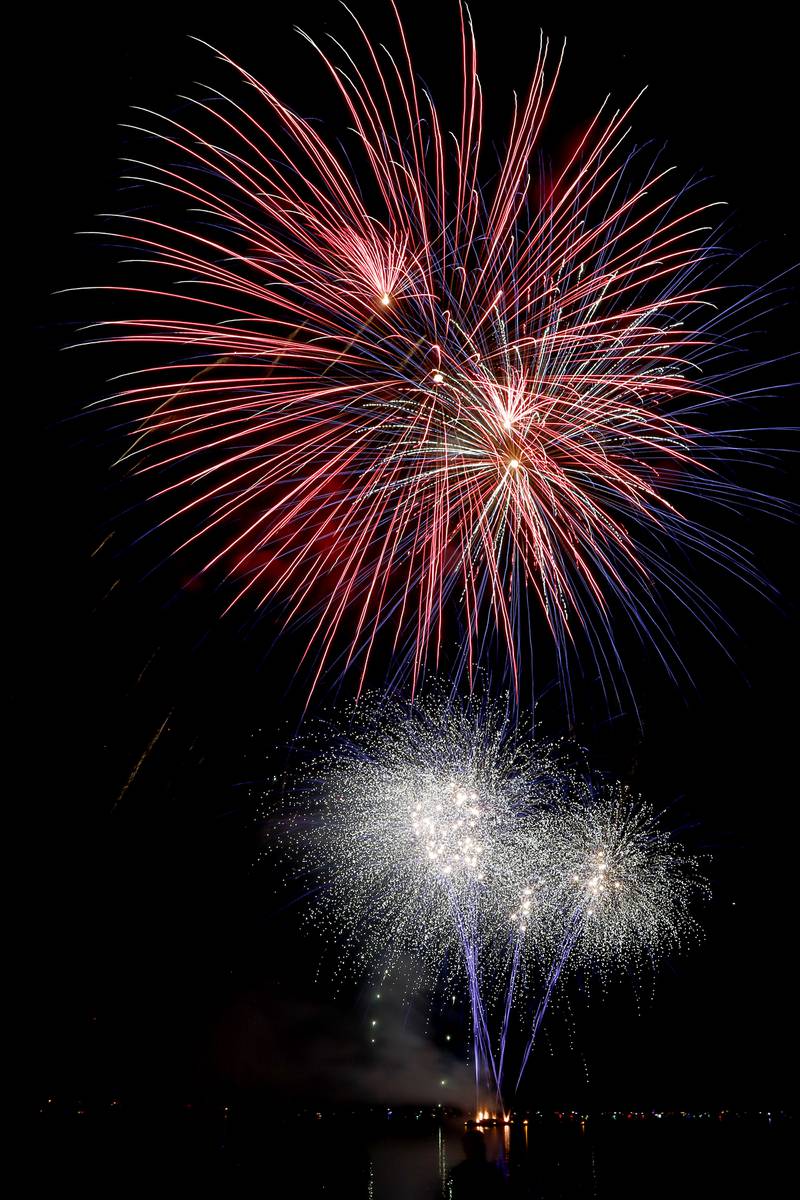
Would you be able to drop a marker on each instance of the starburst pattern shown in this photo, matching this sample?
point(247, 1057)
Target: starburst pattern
point(416, 408)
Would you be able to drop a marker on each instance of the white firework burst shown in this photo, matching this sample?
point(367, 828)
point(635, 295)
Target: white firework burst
point(442, 834)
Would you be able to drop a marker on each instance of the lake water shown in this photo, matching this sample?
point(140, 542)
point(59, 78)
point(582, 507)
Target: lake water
point(548, 1161)
point(407, 1159)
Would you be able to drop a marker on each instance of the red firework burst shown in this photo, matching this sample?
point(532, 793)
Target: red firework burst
point(410, 392)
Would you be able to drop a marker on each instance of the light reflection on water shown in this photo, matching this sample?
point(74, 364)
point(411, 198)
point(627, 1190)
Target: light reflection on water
point(402, 1165)
point(282, 1154)
point(584, 1160)
point(406, 1166)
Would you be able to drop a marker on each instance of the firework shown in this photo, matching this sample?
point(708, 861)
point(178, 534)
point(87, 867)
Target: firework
point(438, 833)
point(618, 892)
point(403, 820)
point(417, 410)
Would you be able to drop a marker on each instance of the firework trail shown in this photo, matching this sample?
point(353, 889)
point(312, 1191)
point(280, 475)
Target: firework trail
point(419, 400)
point(438, 833)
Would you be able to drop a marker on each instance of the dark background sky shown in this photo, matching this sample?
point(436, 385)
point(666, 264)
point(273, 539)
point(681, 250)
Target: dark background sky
point(147, 721)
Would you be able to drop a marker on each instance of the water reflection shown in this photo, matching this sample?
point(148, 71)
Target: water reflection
point(583, 1159)
point(391, 1158)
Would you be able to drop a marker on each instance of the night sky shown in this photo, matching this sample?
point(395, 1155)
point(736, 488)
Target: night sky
point(159, 951)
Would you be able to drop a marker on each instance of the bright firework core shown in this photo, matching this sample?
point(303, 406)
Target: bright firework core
point(601, 882)
point(449, 829)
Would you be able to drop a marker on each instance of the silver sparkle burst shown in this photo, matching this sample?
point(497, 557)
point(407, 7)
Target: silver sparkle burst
point(444, 835)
